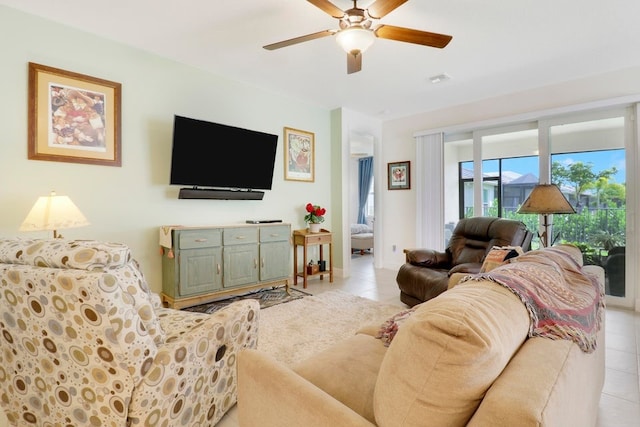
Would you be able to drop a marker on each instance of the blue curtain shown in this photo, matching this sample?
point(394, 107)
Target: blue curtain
point(365, 173)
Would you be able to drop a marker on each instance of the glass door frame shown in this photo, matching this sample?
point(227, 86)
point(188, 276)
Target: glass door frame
point(478, 135)
point(630, 115)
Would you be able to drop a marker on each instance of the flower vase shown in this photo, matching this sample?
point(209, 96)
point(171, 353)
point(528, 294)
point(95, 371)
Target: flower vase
point(314, 228)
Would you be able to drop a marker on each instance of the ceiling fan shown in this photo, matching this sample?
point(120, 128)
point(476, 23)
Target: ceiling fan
point(356, 35)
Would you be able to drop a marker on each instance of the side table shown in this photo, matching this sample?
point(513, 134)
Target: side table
point(305, 238)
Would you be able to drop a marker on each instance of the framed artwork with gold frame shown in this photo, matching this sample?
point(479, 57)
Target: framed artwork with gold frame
point(73, 117)
point(299, 155)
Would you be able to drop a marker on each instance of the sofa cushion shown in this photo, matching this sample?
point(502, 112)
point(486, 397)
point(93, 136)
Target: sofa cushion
point(551, 393)
point(362, 236)
point(522, 396)
point(447, 354)
point(347, 371)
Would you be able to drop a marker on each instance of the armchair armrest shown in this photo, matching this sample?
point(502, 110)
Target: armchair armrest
point(194, 373)
point(428, 258)
point(272, 395)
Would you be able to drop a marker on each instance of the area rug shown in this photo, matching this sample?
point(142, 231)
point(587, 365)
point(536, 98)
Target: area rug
point(294, 331)
point(267, 298)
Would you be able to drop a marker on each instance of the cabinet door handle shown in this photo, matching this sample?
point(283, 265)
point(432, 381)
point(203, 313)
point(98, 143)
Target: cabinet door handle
point(255, 263)
point(218, 268)
point(201, 240)
point(275, 234)
point(262, 266)
point(241, 237)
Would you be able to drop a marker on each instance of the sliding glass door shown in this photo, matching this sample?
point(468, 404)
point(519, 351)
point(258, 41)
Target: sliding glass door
point(490, 172)
point(589, 164)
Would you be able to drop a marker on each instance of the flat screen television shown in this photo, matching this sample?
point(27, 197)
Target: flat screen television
point(213, 155)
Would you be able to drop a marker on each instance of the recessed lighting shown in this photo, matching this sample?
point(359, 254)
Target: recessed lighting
point(440, 78)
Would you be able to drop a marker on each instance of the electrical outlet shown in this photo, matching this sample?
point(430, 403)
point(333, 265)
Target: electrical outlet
point(393, 248)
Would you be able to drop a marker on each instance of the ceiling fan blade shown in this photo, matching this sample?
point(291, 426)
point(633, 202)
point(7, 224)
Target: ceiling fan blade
point(412, 36)
point(382, 7)
point(328, 7)
point(354, 62)
point(300, 39)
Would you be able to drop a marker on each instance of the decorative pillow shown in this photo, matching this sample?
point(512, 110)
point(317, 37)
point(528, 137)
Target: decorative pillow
point(498, 256)
point(389, 328)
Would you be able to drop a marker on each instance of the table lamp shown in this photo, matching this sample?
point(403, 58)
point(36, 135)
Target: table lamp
point(546, 199)
point(53, 212)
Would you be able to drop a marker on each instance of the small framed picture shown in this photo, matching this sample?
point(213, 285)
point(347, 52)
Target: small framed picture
point(299, 152)
point(73, 117)
point(399, 175)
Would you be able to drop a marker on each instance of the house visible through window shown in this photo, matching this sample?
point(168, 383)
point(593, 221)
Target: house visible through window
point(505, 185)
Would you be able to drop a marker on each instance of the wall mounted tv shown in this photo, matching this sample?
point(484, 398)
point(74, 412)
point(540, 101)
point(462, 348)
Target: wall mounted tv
point(220, 161)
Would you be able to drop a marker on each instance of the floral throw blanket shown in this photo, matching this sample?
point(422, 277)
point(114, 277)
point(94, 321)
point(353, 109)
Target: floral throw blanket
point(562, 301)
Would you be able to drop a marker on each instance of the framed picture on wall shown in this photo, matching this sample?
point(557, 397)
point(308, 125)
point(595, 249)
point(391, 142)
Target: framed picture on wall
point(399, 175)
point(299, 155)
point(73, 117)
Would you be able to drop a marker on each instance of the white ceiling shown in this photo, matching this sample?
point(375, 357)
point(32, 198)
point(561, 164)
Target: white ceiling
point(498, 46)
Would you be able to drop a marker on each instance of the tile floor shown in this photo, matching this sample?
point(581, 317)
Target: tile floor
point(620, 402)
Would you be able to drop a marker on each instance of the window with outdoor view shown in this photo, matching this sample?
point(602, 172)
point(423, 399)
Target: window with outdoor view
point(506, 184)
point(594, 181)
point(587, 161)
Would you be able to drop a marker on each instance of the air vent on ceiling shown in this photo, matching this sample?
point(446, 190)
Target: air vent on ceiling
point(440, 78)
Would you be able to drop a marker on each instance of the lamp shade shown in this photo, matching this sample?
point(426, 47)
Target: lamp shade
point(355, 38)
point(546, 199)
point(53, 213)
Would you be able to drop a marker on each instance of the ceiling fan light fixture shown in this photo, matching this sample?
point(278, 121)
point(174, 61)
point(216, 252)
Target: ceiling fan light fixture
point(355, 39)
point(356, 35)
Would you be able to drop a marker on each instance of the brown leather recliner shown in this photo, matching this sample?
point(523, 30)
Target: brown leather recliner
point(426, 273)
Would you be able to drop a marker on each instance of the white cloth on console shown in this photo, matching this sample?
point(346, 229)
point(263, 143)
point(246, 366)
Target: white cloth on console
point(165, 238)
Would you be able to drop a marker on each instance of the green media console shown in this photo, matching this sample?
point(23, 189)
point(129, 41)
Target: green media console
point(202, 264)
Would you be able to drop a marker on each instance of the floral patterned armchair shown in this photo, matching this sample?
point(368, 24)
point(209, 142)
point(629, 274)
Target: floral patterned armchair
point(85, 342)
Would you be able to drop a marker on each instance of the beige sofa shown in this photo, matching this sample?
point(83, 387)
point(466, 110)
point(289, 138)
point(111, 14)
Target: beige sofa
point(463, 358)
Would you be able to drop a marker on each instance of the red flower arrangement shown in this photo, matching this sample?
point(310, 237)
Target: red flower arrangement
point(315, 214)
